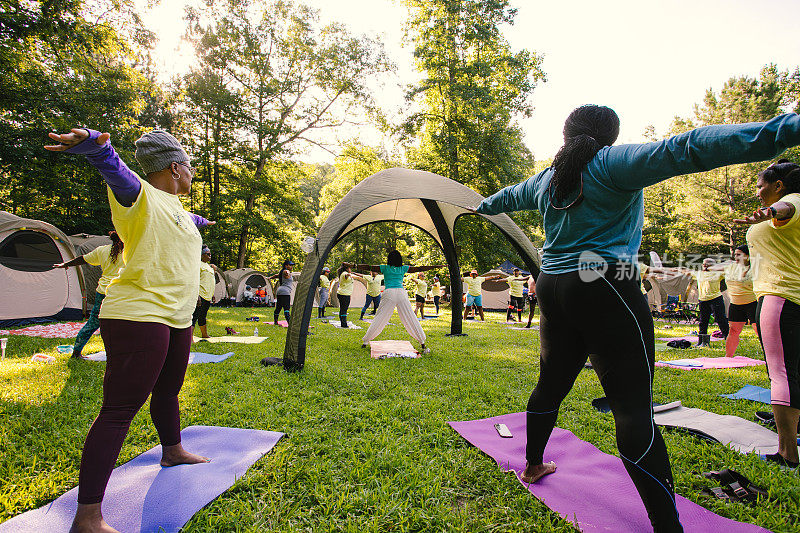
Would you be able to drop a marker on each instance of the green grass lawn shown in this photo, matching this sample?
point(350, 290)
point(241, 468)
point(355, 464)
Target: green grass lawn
point(367, 446)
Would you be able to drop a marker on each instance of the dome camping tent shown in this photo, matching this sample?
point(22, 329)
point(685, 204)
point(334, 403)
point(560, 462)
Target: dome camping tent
point(358, 299)
point(220, 285)
point(237, 279)
point(83, 243)
point(31, 290)
point(495, 293)
point(428, 201)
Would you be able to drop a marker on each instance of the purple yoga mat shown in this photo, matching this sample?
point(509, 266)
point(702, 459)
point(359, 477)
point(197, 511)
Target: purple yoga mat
point(591, 489)
point(143, 496)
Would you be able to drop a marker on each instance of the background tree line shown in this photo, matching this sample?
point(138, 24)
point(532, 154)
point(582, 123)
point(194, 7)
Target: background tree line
point(271, 80)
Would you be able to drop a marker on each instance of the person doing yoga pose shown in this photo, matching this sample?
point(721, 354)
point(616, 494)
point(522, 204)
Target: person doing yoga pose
point(531, 300)
point(373, 281)
point(420, 292)
point(345, 291)
point(436, 290)
point(324, 291)
point(108, 259)
point(146, 316)
point(206, 296)
point(592, 208)
point(283, 294)
point(474, 293)
point(742, 309)
point(395, 297)
point(516, 284)
point(774, 240)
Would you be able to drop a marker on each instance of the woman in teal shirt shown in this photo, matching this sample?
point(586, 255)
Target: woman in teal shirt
point(592, 208)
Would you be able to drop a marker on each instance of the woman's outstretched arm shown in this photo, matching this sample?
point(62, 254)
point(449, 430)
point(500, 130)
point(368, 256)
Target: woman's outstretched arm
point(96, 146)
point(413, 269)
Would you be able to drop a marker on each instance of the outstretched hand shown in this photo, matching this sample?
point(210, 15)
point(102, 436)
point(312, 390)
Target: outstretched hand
point(60, 265)
point(758, 216)
point(73, 138)
point(472, 209)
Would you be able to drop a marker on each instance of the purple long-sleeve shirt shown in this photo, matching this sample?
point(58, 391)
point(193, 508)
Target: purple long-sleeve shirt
point(122, 181)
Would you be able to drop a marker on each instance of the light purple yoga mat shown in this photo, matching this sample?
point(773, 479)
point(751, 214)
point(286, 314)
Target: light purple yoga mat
point(716, 362)
point(591, 489)
point(143, 496)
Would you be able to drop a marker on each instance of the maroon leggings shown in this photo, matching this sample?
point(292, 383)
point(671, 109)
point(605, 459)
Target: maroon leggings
point(142, 358)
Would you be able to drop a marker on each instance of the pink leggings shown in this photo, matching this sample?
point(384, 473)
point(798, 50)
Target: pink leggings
point(779, 328)
point(143, 358)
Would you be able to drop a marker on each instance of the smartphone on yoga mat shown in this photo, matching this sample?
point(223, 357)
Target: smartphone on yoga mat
point(503, 431)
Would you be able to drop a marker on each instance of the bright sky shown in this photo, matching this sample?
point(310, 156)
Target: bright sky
point(648, 59)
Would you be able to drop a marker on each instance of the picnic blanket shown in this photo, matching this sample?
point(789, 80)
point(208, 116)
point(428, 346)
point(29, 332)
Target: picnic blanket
point(751, 392)
point(388, 348)
point(143, 496)
point(64, 330)
point(702, 363)
point(591, 489)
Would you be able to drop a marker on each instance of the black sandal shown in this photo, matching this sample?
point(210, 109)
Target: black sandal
point(739, 488)
point(719, 494)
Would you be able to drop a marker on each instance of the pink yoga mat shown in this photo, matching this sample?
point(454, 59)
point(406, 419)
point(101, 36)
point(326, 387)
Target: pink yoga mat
point(66, 330)
point(717, 362)
point(591, 489)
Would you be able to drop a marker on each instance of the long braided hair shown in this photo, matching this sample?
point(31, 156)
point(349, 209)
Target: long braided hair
point(586, 130)
point(116, 245)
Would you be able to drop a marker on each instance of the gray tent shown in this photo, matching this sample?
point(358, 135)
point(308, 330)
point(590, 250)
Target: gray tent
point(83, 244)
point(220, 284)
point(239, 278)
point(31, 290)
point(425, 200)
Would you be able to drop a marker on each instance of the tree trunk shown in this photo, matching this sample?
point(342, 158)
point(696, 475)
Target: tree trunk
point(245, 233)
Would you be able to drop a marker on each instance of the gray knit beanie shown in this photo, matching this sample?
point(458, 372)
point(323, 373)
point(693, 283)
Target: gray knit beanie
point(157, 149)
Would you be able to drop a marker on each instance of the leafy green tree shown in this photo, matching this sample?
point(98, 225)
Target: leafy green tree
point(289, 78)
point(63, 64)
point(474, 87)
point(708, 202)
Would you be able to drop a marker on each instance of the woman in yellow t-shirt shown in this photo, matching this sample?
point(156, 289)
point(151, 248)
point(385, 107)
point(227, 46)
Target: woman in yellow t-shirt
point(420, 291)
point(146, 316)
point(345, 291)
point(206, 296)
point(774, 240)
point(742, 308)
point(108, 259)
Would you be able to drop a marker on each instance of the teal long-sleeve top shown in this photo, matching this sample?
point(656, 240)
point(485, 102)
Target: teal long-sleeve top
point(607, 225)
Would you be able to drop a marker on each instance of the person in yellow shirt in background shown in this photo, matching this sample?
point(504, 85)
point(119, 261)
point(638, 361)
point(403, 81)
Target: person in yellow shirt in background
point(516, 286)
point(345, 291)
point(774, 240)
point(436, 291)
point(107, 258)
point(324, 291)
point(474, 294)
point(710, 295)
point(206, 296)
point(420, 291)
point(373, 281)
point(146, 316)
point(742, 308)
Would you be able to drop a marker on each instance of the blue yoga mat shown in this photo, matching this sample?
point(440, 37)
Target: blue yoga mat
point(143, 496)
point(200, 357)
point(750, 392)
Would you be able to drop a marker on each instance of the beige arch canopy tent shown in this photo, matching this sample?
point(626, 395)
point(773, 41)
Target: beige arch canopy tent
point(30, 289)
point(240, 278)
point(428, 201)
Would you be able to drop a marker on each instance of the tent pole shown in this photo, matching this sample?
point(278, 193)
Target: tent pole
point(449, 249)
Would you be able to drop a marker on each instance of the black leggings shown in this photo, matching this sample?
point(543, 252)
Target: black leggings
point(200, 312)
point(586, 313)
point(436, 303)
point(283, 301)
point(716, 306)
point(517, 304)
point(344, 305)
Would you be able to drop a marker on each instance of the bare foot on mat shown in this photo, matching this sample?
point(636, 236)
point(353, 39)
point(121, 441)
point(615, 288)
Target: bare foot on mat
point(89, 519)
point(176, 455)
point(534, 473)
